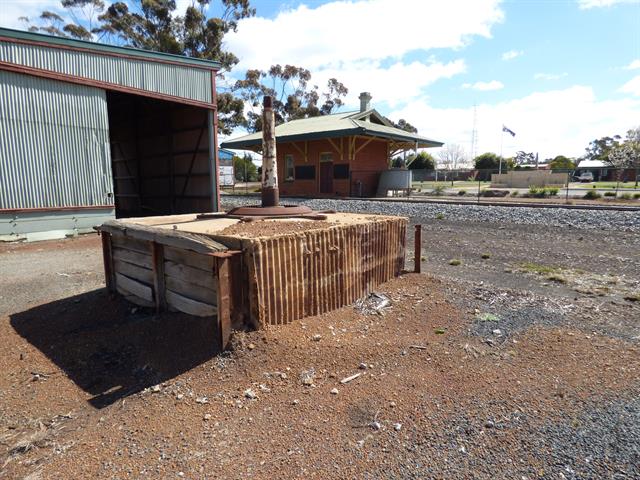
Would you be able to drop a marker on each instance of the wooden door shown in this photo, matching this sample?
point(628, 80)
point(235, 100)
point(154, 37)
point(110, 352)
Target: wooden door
point(326, 177)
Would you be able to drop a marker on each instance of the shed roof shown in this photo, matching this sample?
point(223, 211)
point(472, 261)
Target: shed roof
point(140, 72)
point(592, 164)
point(104, 48)
point(336, 125)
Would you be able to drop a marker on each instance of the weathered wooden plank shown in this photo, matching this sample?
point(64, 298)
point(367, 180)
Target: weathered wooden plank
point(187, 305)
point(157, 259)
point(130, 243)
point(133, 298)
point(107, 258)
point(191, 259)
point(133, 271)
point(174, 238)
point(189, 274)
point(224, 302)
point(191, 290)
point(137, 258)
point(139, 289)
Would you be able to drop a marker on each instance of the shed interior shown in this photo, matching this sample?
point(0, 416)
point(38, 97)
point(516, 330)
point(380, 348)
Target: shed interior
point(160, 156)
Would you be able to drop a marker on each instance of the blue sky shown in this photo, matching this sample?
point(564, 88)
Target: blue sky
point(558, 73)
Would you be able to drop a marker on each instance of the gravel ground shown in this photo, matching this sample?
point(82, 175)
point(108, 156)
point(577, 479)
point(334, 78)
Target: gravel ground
point(582, 219)
point(482, 370)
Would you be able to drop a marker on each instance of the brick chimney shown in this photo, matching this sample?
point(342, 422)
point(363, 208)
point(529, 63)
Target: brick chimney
point(365, 101)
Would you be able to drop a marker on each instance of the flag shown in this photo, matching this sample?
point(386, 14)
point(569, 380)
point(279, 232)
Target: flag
point(505, 129)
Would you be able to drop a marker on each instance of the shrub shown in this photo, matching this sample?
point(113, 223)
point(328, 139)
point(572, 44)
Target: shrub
point(626, 196)
point(494, 193)
point(592, 195)
point(552, 191)
point(537, 192)
point(514, 193)
point(455, 262)
point(439, 189)
point(462, 192)
point(486, 255)
point(609, 194)
point(636, 195)
point(439, 216)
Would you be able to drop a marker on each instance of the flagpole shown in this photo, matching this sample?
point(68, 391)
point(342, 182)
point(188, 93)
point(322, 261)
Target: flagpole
point(501, 142)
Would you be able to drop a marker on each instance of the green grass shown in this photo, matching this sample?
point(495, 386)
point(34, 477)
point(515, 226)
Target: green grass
point(455, 262)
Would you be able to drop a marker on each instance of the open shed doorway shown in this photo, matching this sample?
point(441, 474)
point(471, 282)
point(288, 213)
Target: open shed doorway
point(160, 156)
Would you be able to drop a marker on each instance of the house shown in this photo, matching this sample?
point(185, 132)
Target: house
point(342, 154)
point(91, 131)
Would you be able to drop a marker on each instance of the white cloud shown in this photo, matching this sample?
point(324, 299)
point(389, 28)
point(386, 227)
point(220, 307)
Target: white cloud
point(511, 54)
point(549, 76)
point(588, 4)
point(484, 86)
point(352, 31)
point(632, 87)
point(634, 65)
point(13, 9)
point(551, 123)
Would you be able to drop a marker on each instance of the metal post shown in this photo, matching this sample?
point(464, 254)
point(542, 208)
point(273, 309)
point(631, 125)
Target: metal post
point(270, 196)
point(417, 258)
point(213, 160)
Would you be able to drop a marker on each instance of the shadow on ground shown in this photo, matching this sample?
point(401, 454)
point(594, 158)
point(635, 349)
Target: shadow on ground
point(112, 349)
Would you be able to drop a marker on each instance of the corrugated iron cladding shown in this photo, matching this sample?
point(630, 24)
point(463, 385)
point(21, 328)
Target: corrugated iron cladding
point(185, 82)
point(321, 270)
point(54, 144)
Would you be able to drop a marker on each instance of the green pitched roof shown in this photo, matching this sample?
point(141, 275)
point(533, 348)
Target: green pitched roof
point(104, 48)
point(334, 126)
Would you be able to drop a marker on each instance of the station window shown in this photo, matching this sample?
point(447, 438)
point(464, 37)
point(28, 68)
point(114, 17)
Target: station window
point(289, 170)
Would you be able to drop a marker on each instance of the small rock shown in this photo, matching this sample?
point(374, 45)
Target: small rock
point(251, 346)
point(462, 449)
point(362, 366)
point(207, 416)
point(264, 388)
point(392, 404)
point(283, 375)
point(375, 425)
point(360, 443)
point(250, 394)
point(489, 424)
point(180, 396)
point(295, 402)
point(308, 376)
point(202, 400)
point(397, 427)
point(497, 331)
point(316, 337)
point(155, 388)
point(334, 391)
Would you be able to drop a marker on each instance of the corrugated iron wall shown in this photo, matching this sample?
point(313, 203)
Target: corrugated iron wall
point(313, 272)
point(190, 83)
point(54, 144)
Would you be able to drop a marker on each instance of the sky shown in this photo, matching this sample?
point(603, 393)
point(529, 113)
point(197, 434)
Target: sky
point(557, 73)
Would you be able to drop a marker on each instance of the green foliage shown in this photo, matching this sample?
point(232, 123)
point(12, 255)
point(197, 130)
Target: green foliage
point(455, 262)
point(600, 148)
point(542, 192)
point(515, 193)
point(552, 191)
point(636, 196)
point(439, 189)
point(592, 195)
point(562, 163)
point(626, 196)
point(539, 269)
point(422, 161)
point(486, 256)
point(487, 161)
point(404, 125)
point(609, 194)
point(462, 192)
point(244, 169)
point(439, 216)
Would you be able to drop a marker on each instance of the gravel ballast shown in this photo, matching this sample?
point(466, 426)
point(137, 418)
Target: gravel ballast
point(553, 217)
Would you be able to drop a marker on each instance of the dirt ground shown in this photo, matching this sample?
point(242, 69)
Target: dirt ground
point(522, 364)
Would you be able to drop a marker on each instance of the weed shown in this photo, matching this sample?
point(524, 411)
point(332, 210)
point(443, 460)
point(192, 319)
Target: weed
point(552, 191)
point(514, 193)
point(439, 189)
point(487, 317)
point(609, 194)
point(439, 331)
point(539, 268)
point(634, 297)
point(455, 262)
point(439, 216)
point(556, 278)
point(625, 196)
point(636, 196)
point(486, 255)
point(592, 195)
point(462, 192)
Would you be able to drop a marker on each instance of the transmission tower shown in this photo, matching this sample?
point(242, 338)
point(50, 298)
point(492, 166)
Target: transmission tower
point(474, 133)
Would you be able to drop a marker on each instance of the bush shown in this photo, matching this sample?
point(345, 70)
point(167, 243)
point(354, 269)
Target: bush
point(537, 192)
point(439, 216)
point(462, 192)
point(626, 196)
point(552, 191)
point(592, 195)
point(486, 256)
point(609, 194)
point(494, 193)
point(455, 262)
point(636, 196)
point(439, 189)
point(514, 193)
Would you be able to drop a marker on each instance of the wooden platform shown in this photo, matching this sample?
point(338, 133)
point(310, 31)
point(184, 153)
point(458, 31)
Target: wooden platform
point(257, 273)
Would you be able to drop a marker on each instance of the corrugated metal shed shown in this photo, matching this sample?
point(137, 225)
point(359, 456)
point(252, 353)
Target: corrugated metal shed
point(162, 74)
point(54, 144)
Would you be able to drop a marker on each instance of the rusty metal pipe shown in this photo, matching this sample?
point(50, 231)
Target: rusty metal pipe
point(417, 257)
point(270, 195)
